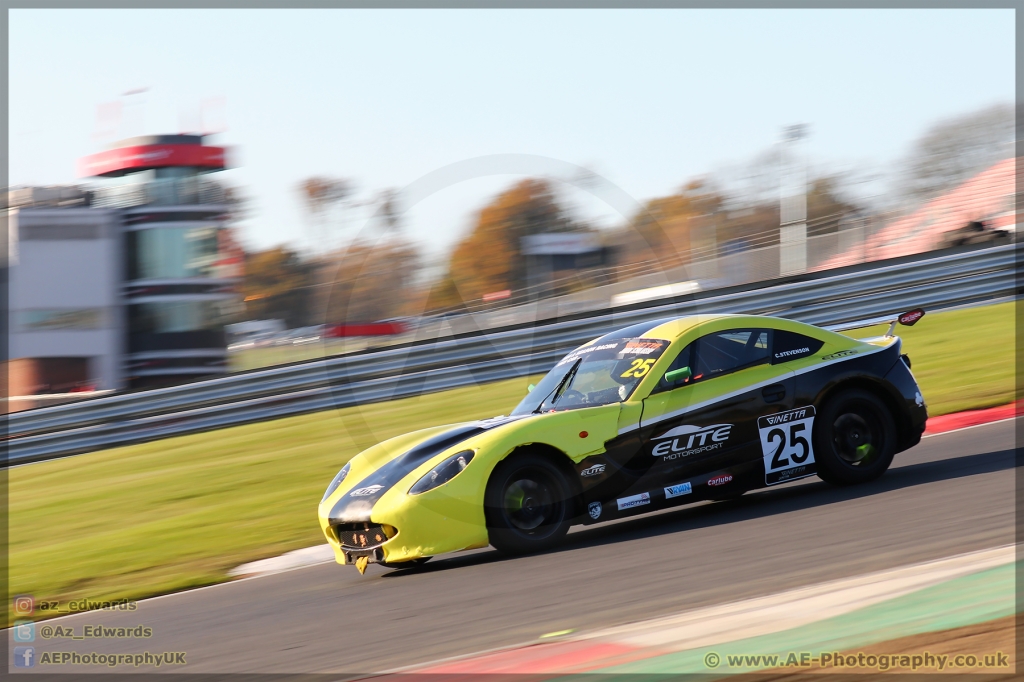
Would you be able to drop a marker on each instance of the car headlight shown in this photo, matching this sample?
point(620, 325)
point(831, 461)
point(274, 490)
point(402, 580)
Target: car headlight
point(443, 472)
point(336, 481)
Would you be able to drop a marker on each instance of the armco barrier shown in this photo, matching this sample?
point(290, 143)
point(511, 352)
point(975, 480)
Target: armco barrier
point(958, 279)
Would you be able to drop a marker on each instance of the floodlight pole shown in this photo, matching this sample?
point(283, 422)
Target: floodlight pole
point(793, 203)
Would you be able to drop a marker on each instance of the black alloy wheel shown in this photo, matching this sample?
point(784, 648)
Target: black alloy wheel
point(854, 438)
point(528, 504)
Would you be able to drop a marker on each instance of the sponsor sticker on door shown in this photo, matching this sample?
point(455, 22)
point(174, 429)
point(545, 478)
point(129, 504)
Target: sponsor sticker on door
point(633, 501)
point(786, 444)
point(678, 490)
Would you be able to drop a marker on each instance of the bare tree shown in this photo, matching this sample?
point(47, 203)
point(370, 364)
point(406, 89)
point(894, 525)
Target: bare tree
point(390, 211)
point(953, 150)
point(321, 195)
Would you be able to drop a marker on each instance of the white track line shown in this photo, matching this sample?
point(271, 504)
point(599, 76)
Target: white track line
point(972, 426)
point(793, 608)
point(774, 613)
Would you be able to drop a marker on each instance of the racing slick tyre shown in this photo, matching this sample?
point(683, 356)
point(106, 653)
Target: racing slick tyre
point(854, 438)
point(528, 504)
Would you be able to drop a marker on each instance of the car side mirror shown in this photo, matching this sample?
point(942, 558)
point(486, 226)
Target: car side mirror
point(678, 376)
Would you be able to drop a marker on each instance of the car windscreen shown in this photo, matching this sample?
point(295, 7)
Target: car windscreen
point(601, 373)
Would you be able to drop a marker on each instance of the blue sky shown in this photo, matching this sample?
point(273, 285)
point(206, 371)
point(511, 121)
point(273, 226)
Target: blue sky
point(645, 98)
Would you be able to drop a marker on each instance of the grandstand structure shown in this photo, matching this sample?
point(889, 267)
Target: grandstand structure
point(987, 199)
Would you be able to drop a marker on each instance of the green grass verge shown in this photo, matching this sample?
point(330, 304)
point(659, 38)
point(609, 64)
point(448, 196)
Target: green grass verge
point(268, 356)
point(177, 513)
point(963, 359)
point(180, 512)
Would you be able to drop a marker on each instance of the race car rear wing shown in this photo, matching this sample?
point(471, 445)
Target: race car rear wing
point(908, 318)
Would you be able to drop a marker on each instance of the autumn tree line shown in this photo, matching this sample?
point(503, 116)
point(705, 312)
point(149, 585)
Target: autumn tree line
point(377, 278)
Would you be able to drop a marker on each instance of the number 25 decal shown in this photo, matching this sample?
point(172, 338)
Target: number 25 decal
point(638, 368)
point(786, 444)
point(780, 462)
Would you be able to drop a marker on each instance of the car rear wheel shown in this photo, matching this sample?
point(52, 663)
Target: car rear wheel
point(528, 504)
point(854, 438)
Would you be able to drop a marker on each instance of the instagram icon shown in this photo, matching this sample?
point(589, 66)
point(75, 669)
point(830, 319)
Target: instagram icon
point(24, 604)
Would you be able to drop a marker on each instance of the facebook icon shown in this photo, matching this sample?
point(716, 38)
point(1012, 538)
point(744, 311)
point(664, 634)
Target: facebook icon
point(24, 656)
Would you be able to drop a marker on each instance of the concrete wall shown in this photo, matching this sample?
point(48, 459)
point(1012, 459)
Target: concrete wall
point(65, 288)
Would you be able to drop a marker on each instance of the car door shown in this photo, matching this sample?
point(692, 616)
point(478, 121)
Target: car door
point(700, 424)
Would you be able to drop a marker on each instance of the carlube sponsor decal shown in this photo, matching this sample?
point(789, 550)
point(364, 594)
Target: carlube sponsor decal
point(684, 441)
point(678, 490)
point(363, 492)
point(909, 318)
point(839, 354)
point(720, 480)
point(595, 510)
point(593, 470)
point(786, 444)
point(633, 501)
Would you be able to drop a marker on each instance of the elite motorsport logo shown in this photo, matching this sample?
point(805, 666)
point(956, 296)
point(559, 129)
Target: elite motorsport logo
point(686, 440)
point(839, 354)
point(593, 470)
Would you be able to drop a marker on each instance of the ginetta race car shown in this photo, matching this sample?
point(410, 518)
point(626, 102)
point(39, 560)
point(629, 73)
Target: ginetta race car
point(655, 415)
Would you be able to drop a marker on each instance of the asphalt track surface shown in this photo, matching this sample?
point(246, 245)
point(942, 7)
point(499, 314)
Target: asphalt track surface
point(951, 494)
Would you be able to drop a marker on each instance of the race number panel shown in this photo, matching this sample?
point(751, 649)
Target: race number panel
point(786, 444)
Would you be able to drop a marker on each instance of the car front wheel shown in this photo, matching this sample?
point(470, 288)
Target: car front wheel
point(528, 504)
point(854, 438)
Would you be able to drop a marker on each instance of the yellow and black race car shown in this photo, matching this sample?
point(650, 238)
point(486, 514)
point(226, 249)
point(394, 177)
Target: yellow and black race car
point(655, 415)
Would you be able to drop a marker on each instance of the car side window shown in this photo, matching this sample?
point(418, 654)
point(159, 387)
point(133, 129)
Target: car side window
point(788, 346)
point(716, 354)
point(672, 379)
point(728, 351)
